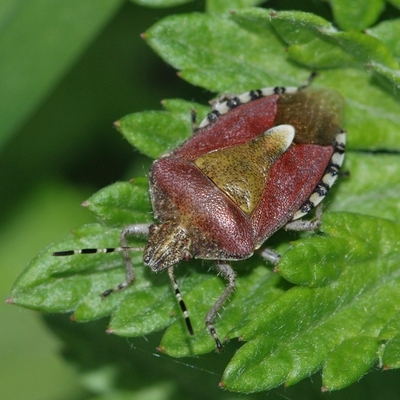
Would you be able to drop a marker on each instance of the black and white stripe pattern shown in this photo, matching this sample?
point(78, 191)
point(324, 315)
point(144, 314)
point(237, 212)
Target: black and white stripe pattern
point(93, 251)
point(332, 170)
point(328, 179)
point(231, 102)
point(181, 303)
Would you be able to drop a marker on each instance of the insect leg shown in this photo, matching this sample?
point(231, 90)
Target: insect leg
point(180, 300)
point(130, 230)
point(229, 274)
point(309, 80)
point(298, 225)
point(306, 225)
point(271, 256)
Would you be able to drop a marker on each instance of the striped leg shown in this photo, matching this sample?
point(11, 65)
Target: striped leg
point(131, 230)
point(271, 256)
point(306, 225)
point(298, 225)
point(180, 300)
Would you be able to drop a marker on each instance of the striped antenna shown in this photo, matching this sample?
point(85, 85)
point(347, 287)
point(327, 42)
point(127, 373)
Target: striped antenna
point(123, 285)
point(63, 253)
point(130, 274)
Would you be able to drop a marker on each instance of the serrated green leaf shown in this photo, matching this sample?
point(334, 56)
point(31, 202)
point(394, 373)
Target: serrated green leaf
point(372, 187)
point(382, 112)
point(350, 268)
point(303, 41)
point(316, 261)
point(371, 116)
point(351, 359)
point(255, 289)
point(366, 49)
point(232, 61)
point(380, 233)
point(121, 202)
point(319, 54)
point(45, 271)
point(313, 41)
point(357, 15)
point(142, 131)
point(363, 47)
point(155, 132)
point(388, 32)
point(144, 311)
point(176, 341)
point(64, 284)
point(183, 109)
point(369, 109)
point(293, 336)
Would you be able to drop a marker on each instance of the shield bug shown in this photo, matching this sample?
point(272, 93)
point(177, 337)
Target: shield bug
point(258, 162)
